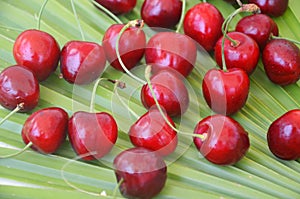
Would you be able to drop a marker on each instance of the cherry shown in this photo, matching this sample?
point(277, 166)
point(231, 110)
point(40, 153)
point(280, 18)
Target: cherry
point(226, 141)
point(169, 90)
point(284, 136)
point(45, 129)
point(94, 133)
point(82, 62)
point(281, 60)
point(273, 8)
point(118, 7)
point(164, 50)
point(203, 23)
point(259, 27)
point(140, 172)
point(38, 51)
point(152, 132)
point(18, 86)
point(158, 13)
point(226, 92)
point(131, 46)
point(244, 54)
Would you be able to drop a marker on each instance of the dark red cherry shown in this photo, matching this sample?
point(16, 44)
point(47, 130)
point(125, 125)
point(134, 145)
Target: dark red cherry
point(273, 8)
point(82, 62)
point(281, 59)
point(284, 136)
point(143, 173)
point(38, 51)
point(118, 6)
point(259, 27)
point(152, 132)
point(244, 54)
point(226, 92)
point(226, 141)
point(203, 23)
point(158, 13)
point(18, 85)
point(46, 129)
point(170, 92)
point(94, 133)
point(131, 46)
point(165, 50)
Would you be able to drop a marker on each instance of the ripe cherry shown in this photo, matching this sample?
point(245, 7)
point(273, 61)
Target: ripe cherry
point(131, 46)
point(165, 14)
point(226, 141)
point(169, 90)
point(94, 133)
point(244, 54)
point(273, 8)
point(203, 23)
point(152, 132)
point(38, 51)
point(164, 50)
point(259, 27)
point(140, 172)
point(46, 129)
point(82, 62)
point(281, 59)
point(118, 7)
point(226, 92)
point(284, 136)
point(18, 85)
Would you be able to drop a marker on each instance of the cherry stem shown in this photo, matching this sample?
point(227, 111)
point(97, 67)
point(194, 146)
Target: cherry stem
point(239, 3)
point(288, 39)
point(117, 187)
point(40, 14)
point(77, 20)
point(108, 12)
point(134, 23)
point(147, 76)
point(204, 1)
point(19, 107)
point(182, 16)
point(17, 153)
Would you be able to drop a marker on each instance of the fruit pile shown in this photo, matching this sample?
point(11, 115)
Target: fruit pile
point(170, 57)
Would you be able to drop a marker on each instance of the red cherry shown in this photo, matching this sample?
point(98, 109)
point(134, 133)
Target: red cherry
point(118, 6)
point(92, 133)
point(259, 27)
point(152, 132)
point(284, 136)
point(143, 172)
point(245, 54)
point(46, 129)
point(203, 23)
point(38, 51)
point(273, 8)
point(132, 46)
point(82, 62)
point(281, 59)
point(226, 141)
point(226, 92)
point(164, 50)
point(18, 85)
point(158, 13)
point(170, 92)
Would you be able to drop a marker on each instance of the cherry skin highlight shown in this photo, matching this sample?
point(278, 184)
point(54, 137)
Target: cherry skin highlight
point(226, 141)
point(38, 51)
point(274, 8)
point(118, 7)
point(143, 172)
point(82, 62)
point(19, 85)
point(46, 129)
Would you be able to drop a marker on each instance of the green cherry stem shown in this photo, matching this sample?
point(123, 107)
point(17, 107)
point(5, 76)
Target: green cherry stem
point(288, 39)
point(147, 76)
point(17, 153)
point(77, 20)
point(182, 16)
point(134, 23)
point(204, 1)
point(239, 3)
point(116, 188)
point(19, 107)
point(108, 12)
point(41, 13)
